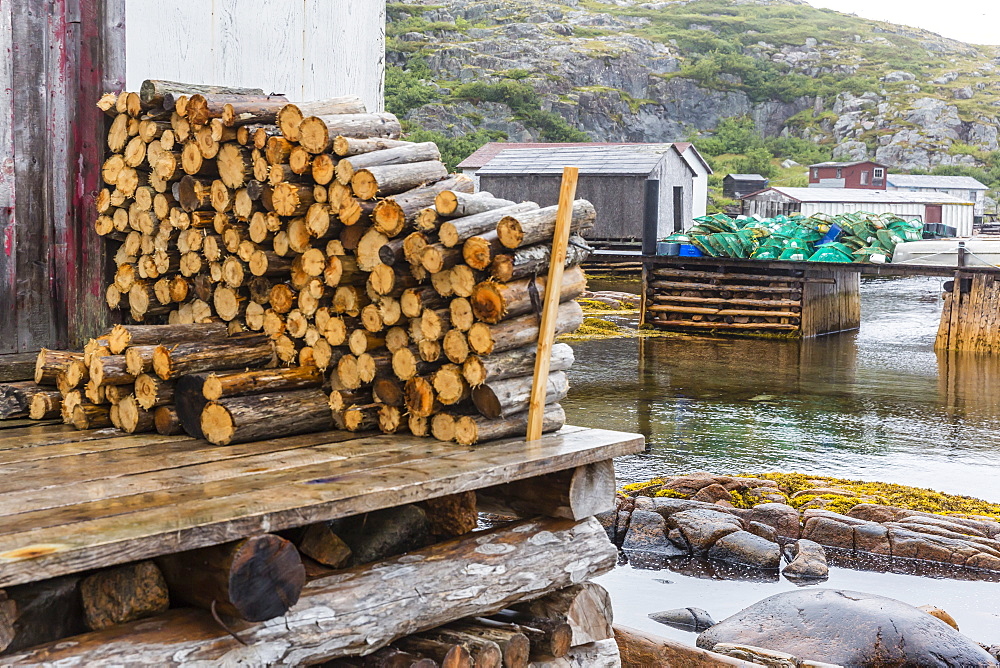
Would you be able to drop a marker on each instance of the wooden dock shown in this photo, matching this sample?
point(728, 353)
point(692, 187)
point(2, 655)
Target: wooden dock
point(71, 502)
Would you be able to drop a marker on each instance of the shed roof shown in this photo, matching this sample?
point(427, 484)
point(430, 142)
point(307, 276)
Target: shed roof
point(847, 164)
point(932, 181)
point(620, 159)
point(747, 177)
point(861, 196)
point(487, 152)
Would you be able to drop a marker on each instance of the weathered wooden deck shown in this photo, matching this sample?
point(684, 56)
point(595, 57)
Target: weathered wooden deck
point(72, 501)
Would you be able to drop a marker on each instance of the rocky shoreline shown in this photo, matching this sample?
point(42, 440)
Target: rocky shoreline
point(771, 523)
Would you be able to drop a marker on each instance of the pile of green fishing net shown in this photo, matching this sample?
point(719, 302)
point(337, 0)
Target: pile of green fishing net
point(852, 237)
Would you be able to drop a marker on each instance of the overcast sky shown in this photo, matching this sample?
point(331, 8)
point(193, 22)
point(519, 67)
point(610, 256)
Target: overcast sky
point(975, 21)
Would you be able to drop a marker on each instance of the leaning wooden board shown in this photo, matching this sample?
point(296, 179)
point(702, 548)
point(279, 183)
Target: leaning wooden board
point(69, 504)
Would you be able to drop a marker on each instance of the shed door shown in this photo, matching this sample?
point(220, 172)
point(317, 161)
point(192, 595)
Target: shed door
point(932, 213)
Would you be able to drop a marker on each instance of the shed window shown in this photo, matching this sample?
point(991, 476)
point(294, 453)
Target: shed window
point(815, 173)
point(864, 178)
point(840, 173)
point(879, 172)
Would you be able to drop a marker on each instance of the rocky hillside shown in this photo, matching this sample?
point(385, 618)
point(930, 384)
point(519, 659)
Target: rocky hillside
point(622, 70)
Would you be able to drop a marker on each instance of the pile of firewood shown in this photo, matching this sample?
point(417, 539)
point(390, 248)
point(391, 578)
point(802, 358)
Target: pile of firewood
point(314, 229)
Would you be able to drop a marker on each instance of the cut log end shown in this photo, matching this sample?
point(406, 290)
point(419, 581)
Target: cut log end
point(217, 424)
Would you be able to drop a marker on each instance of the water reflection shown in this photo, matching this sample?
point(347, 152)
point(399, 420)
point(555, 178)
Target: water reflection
point(875, 404)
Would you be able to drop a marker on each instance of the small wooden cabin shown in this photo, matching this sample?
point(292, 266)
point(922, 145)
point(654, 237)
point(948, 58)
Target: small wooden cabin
point(738, 186)
point(615, 178)
point(863, 174)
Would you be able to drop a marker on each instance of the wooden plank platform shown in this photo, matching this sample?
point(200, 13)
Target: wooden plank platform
point(71, 501)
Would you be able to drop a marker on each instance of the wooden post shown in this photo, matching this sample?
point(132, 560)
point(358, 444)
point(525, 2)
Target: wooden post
point(546, 331)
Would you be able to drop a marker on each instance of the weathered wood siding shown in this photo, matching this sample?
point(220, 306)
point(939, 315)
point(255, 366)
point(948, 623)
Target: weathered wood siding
point(828, 308)
point(56, 63)
point(305, 49)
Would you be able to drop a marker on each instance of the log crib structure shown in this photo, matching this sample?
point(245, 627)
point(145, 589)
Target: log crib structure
point(322, 376)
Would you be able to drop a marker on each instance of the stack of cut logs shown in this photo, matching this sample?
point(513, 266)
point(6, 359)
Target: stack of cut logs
point(314, 230)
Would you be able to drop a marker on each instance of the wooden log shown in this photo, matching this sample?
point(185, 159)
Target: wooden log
point(123, 336)
point(550, 638)
point(794, 290)
point(115, 393)
point(493, 302)
point(139, 359)
point(316, 133)
point(166, 421)
point(319, 542)
point(399, 155)
point(470, 430)
point(639, 648)
point(789, 304)
point(571, 494)
point(485, 339)
point(348, 146)
point(292, 199)
point(479, 251)
point(392, 214)
point(251, 418)
point(45, 405)
point(50, 363)
point(446, 655)
point(158, 92)
point(383, 181)
point(586, 607)
point(290, 116)
point(458, 230)
point(532, 260)
point(514, 645)
point(535, 227)
point(361, 418)
point(255, 579)
point(724, 325)
point(455, 346)
point(452, 515)
point(123, 594)
point(234, 353)
point(513, 363)
point(15, 398)
point(134, 419)
point(110, 370)
point(152, 391)
point(40, 612)
point(220, 385)
point(91, 416)
point(449, 385)
point(461, 204)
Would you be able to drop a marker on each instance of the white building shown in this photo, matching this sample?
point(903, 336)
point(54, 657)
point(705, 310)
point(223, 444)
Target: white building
point(304, 50)
point(928, 207)
point(962, 187)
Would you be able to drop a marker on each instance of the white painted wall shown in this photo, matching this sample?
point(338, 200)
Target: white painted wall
point(304, 49)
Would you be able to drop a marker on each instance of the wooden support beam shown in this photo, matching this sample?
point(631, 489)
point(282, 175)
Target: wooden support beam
point(547, 328)
point(571, 494)
point(357, 611)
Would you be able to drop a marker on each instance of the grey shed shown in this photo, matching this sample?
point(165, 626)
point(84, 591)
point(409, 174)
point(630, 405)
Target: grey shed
point(613, 177)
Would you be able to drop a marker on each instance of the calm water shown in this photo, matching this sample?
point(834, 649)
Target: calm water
point(876, 404)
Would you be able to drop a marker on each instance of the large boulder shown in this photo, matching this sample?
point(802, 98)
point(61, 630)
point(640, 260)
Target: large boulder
point(743, 548)
point(647, 535)
point(702, 527)
point(779, 516)
point(685, 619)
point(809, 562)
point(848, 628)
